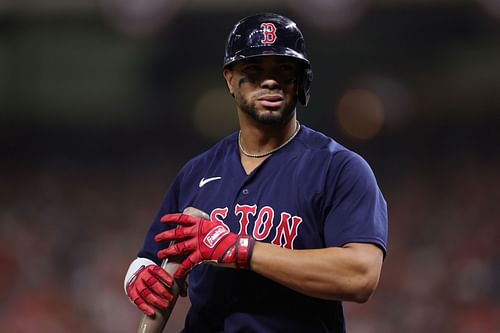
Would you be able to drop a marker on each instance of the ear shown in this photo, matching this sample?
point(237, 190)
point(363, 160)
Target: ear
point(228, 76)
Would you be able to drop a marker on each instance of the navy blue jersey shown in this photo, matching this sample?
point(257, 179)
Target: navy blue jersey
point(313, 193)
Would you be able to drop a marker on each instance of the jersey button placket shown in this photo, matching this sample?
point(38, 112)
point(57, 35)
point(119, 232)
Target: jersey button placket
point(244, 191)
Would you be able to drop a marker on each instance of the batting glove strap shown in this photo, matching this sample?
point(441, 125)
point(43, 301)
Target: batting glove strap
point(244, 249)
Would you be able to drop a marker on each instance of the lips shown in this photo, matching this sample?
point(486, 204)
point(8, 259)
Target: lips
point(271, 101)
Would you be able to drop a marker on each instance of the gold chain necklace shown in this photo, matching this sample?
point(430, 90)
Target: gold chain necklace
point(297, 128)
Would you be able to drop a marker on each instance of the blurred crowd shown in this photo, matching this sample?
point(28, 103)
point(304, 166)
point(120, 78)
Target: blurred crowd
point(68, 232)
point(443, 266)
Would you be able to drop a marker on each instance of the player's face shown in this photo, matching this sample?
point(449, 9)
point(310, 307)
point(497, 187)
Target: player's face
point(265, 88)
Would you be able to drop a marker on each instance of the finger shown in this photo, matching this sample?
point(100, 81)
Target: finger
point(148, 294)
point(165, 236)
point(153, 299)
point(174, 234)
point(146, 309)
point(135, 297)
point(157, 283)
point(177, 218)
point(181, 219)
point(186, 246)
point(174, 250)
point(188, 264)
point(160, 290)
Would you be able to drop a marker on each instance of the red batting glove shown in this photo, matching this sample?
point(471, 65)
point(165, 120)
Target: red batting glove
point(204, 241)
point(147, 287)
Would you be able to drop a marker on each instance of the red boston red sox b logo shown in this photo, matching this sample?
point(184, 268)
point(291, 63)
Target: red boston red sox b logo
point(269, 32)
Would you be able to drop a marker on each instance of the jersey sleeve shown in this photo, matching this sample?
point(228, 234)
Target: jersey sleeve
point(170, 204)
point(357, 210)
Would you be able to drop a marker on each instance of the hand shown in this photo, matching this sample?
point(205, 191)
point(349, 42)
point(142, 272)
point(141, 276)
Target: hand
point(147, 287)
point(204, 241)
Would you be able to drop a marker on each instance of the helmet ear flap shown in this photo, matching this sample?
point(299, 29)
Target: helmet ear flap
point(304, 86)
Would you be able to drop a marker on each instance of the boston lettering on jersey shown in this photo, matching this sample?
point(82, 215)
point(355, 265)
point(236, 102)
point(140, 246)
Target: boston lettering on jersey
point(265, 220)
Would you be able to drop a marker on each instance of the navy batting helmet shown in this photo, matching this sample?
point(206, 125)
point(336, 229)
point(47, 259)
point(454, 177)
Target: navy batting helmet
point(270, 34)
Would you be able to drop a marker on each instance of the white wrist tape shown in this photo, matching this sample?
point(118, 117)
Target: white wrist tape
point(133, 268)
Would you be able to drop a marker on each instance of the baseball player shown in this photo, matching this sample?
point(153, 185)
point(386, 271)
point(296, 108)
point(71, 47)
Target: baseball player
point(297, 221)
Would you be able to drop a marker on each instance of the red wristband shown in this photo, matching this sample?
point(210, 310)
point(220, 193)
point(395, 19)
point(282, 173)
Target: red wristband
point(244, 249)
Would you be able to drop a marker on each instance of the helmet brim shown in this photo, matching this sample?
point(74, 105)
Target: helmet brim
point(265, 51)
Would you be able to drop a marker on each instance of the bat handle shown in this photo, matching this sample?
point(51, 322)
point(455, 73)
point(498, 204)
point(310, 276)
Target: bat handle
point(157, 323)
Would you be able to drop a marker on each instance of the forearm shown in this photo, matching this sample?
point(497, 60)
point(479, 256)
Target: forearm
point(348, 273)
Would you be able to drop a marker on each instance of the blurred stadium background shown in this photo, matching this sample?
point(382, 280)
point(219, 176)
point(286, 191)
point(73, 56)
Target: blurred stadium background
point(101, 102)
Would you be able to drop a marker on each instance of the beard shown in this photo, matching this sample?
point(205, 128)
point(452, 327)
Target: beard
point(268, 117)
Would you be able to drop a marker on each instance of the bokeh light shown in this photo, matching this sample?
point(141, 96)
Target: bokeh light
point(360, 114)
point(214, 114)
point(331, 14)
point(140, 18)
point(397, 100)
point(490, 7)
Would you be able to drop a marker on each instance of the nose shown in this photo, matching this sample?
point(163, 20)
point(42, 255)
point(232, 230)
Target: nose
point(270, 83)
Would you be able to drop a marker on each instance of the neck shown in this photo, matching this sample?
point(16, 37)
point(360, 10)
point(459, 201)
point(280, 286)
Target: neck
point(263, 140)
